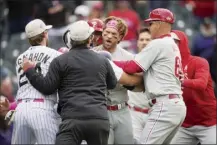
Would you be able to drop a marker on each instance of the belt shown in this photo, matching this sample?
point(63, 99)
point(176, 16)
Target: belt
point(27, 100)
point(117, 106)
point(138, 109)
point(154, 101)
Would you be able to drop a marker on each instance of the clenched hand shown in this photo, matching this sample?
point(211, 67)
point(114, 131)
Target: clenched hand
point(27, 64)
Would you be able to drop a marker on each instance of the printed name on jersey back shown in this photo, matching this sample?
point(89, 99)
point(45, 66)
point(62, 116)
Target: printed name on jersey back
point(37, 57)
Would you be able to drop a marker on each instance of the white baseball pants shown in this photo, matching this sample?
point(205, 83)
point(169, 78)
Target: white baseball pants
point(195, 134)
point(138, 121)
point(121, 131)
point(165, 117)
point(35, 122)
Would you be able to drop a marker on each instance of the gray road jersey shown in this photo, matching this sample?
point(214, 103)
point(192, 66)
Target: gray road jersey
point(161, 62)
point(119, 94)
point(138, 99)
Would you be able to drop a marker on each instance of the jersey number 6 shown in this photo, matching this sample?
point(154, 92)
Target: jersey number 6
point(20, 77)
point(178, 66)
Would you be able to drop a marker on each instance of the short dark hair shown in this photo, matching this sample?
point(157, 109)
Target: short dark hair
point(142, 30)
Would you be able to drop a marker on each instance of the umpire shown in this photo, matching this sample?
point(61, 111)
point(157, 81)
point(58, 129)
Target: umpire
point(81, 77)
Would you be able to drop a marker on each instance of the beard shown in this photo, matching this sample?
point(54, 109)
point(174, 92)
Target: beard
point(109, 45)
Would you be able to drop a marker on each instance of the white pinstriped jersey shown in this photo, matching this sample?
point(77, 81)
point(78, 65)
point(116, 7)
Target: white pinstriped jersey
point(119, 94)
point(41, 54)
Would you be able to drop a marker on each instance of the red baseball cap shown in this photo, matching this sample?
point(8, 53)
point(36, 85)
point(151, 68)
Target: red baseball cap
point(161, 14)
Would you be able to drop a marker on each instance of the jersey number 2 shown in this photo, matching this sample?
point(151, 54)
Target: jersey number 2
point(21, 76)
point(178, 66)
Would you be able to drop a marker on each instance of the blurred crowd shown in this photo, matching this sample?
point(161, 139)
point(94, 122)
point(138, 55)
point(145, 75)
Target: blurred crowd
point(196, 18)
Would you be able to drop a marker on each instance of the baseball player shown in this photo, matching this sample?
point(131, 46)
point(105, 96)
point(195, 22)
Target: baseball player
point(35, 118)
point(161, 63)
point(138, 102)
point(122, 77)
point(198, 93)
point(119, 116)
point(98, 25)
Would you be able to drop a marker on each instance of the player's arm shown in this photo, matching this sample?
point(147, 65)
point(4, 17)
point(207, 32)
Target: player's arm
point(129, 66)
point(124, 78)
point(139, 86)
point(142, 60)
point(200, 80)
point(48, 84)
point(111, 79)
point(130, 80)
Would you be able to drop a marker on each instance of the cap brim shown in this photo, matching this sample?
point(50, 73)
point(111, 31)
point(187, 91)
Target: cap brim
point(91, 30)
point(148, 20)
point(48, 27)
point(98, 30)
point(151, 19)
point(174, 36)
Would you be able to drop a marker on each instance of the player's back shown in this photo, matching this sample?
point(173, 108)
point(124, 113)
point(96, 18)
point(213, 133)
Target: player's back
point(39, 54)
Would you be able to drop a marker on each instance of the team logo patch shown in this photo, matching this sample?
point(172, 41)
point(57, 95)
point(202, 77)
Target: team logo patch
point(94, 24)
point(168, 18)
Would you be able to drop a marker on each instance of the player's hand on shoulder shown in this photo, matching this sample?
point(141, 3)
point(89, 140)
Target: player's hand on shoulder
point(27, 64)
point(63, 50)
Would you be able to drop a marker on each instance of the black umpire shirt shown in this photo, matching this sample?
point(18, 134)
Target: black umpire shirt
point(81, 77)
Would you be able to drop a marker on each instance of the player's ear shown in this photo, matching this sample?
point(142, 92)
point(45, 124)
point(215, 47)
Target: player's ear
point(45, 34)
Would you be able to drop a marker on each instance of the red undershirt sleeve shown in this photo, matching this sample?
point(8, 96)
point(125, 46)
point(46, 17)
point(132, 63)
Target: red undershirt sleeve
point(129, 67)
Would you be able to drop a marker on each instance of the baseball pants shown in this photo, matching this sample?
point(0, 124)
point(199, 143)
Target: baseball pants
point(35, 122)
point(195, 134)
point(164, 120)
point(138, 121)
point(73, 131)
point(121, 131)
